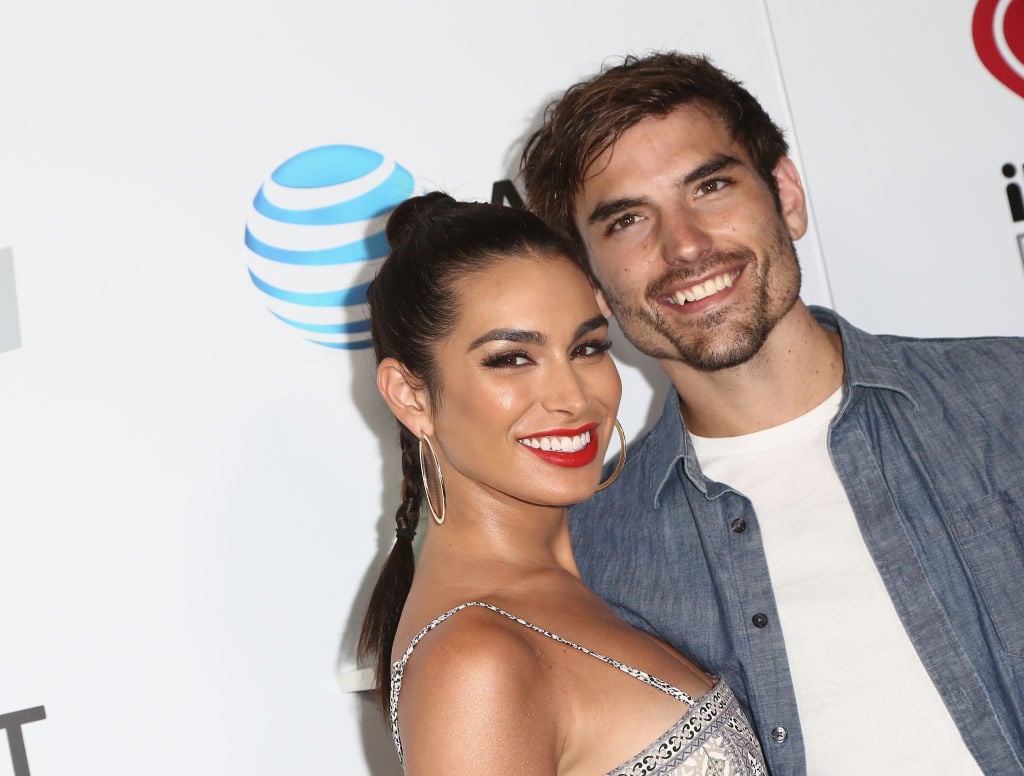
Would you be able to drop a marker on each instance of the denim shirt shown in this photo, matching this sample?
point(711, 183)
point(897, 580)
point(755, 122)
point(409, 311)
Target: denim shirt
point(929, 444)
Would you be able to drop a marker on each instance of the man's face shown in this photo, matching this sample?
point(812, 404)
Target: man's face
point(686, 241)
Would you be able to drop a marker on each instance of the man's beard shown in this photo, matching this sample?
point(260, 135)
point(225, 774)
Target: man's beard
point(720, 338)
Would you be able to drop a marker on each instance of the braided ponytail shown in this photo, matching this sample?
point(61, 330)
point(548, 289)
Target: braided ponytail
point(378, 634)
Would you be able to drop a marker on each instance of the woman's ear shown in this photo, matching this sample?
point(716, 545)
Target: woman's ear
point(406, 396)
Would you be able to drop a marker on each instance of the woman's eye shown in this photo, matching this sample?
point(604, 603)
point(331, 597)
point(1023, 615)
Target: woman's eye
point(591, 349)
point(506, 360)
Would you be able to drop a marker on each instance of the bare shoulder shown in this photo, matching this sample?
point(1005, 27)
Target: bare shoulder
point(475, 699)
point(473, 645)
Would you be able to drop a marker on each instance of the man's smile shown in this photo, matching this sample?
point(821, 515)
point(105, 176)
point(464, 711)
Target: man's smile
point(701, 290)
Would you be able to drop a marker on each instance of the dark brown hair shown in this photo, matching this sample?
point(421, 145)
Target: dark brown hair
point(593, 114)
point(435, 241)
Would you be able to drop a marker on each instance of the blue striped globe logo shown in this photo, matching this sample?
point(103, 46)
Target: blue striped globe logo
point(316, 236)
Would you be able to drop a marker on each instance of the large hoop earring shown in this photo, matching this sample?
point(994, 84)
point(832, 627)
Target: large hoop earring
point(438, 518)
point(622, 458)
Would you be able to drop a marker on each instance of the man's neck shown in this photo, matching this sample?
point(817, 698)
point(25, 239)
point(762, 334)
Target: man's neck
point(799, 366)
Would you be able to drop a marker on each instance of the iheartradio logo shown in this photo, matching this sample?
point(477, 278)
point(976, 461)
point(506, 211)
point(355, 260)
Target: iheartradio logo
point(998, 32)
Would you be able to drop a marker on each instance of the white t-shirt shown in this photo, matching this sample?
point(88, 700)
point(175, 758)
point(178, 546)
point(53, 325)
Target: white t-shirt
point(866, 702)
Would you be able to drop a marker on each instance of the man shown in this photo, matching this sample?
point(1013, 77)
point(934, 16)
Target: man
point(831, 520)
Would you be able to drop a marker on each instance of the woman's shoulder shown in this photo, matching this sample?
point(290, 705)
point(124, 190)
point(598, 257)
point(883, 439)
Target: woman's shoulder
point(472, 641)
point(476, 676)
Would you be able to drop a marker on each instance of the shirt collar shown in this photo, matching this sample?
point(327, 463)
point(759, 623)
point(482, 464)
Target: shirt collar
point(867, 364)
point(669, 444)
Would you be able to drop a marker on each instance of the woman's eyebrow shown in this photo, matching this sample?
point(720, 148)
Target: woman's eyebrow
point(588, 326)
point(533, 337)
point(509, 335)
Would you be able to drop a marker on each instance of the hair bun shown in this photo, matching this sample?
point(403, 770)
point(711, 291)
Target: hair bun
point(407, 217)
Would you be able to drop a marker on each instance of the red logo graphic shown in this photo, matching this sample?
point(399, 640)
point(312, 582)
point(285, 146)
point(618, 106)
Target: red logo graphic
point(998, 31)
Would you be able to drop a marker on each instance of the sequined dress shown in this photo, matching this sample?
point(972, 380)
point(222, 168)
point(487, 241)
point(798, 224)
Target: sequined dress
point(713, 737)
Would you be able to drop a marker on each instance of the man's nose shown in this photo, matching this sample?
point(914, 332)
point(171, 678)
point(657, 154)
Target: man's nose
point(684, 239)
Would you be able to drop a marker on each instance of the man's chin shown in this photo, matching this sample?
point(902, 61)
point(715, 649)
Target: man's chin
point(726, 349)
point(717, 361)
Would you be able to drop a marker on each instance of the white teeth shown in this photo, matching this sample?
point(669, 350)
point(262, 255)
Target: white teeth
point(702, 290)
point(559, 444)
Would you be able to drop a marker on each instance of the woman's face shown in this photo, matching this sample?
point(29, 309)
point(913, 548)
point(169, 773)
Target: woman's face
point(529, 393)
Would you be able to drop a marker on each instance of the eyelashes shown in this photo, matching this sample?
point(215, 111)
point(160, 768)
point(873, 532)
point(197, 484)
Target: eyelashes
point(508, 358)
point(596, 348)
point(511, 359)
point(622, 222)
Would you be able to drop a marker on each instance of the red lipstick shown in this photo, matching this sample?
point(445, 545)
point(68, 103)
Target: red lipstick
point(573, 460)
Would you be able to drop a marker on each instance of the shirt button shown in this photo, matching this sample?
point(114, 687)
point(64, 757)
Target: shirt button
point(739, 525)
point(759, 620)
point(779, 734)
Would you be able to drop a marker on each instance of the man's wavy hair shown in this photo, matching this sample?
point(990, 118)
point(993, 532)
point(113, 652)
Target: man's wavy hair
point(592, 115)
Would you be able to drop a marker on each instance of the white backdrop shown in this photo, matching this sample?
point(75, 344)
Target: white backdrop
point(193, 498)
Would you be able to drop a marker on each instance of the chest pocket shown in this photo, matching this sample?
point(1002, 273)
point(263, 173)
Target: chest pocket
point(991, 533)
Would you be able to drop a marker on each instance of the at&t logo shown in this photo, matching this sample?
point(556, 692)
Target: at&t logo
point(316, 233)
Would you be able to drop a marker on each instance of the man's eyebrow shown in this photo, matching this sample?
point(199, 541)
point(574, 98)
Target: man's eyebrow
point(588, 326)
point(605, 210)
point(509, 335)
point(710, 167)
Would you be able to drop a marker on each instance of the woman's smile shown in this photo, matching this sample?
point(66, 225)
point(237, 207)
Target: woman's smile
point(564, 447)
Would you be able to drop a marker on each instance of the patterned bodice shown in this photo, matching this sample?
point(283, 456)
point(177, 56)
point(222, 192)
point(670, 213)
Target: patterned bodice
point(713, 737)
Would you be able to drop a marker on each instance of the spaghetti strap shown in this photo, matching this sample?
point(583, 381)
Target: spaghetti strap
point(398, 667)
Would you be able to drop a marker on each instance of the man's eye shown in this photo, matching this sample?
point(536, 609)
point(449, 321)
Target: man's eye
point(624, 222)
point(711, 186)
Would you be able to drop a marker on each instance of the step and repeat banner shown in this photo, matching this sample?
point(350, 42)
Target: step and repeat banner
point(197, 477)
point(909, 118)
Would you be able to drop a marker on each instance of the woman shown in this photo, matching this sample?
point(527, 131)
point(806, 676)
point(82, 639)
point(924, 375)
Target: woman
point(492, 355)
